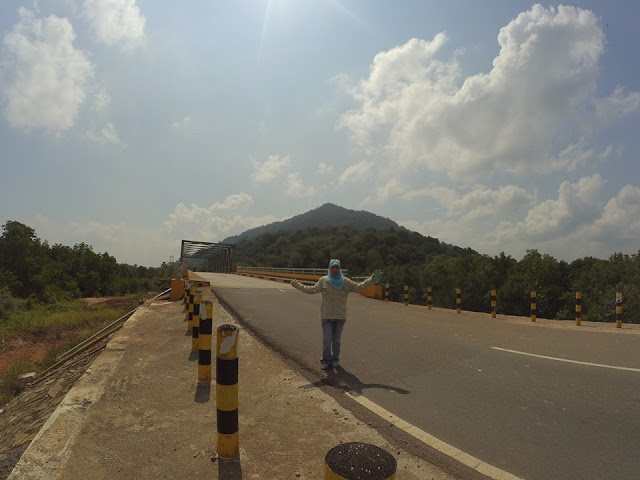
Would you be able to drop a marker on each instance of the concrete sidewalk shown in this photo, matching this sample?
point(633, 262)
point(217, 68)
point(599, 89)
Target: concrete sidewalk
point(138, 413)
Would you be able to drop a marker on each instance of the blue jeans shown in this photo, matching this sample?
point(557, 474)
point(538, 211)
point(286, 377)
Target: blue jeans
point(331, 339)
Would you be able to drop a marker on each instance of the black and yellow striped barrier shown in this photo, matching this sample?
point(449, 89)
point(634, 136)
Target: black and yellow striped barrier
point(493, 303)
point(578, 308)
point(618, 309)
point(187, 285)
point(204, 343)
point(406, 295)
point(192, 300)
point(359, 461)
point(458, 300)
point(534, 309)
point(429, 297)
point(386, 293)
point(195, 323)
point(227, 391)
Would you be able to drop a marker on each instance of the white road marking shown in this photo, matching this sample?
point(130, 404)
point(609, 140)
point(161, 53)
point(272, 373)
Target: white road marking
point(614, 367)
point(449, 450)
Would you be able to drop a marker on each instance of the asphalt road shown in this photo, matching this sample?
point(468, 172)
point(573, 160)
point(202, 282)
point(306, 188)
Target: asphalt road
point(536, 418)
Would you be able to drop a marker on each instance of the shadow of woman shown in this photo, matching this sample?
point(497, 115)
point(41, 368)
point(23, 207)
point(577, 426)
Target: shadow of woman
point(340, 378)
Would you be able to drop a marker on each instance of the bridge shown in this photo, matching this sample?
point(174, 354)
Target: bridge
point(455, 395)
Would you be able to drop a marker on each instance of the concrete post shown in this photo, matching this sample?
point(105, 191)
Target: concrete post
point(534, 309)
point(618, 309)
point(204, 343)
point(458, 300)
point(493, 303)
point(429, 297)
point(578, 308)
point(195, 324)
point(227, 391)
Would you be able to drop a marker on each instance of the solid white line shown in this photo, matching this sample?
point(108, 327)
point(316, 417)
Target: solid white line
point(462, 457)
point(614, 367)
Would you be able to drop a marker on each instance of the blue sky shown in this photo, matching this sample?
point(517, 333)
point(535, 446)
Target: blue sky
point(501, 125)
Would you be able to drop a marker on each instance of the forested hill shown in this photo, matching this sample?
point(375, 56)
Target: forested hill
point(328, 215)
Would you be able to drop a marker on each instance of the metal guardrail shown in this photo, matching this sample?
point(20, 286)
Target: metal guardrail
point(303, 271)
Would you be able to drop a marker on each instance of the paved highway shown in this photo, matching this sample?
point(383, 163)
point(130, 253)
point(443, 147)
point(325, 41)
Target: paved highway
point(472, 381)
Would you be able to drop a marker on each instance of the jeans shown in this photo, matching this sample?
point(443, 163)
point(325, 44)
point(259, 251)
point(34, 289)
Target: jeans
point(331, 339)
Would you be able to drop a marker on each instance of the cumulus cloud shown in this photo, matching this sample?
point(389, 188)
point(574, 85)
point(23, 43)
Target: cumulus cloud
point(182, 124)
point(620, 219)
point(45, 79)
point(266, 171)
point(530, 113)
point(116, 23)
point(483, 203)
point(106, 135)
point(214, 223)
point(324, 169)
point(357, 173)
point(296, 187)
point(101, 100)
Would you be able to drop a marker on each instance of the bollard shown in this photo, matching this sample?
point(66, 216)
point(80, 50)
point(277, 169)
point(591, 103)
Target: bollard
point(533, 306)
point(192, 299)
point(458, 300)
point(227, 391)
point(187, 286)
point(578, 308)
point(195, 324)
point(493, 303)
point(406, 295)
point(386, 293)
point(618, 309)
point(204, 343)
point(429, 298)
point(359, 461)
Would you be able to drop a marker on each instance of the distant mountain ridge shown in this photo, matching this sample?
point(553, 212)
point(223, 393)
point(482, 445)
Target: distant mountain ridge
point(327, 215)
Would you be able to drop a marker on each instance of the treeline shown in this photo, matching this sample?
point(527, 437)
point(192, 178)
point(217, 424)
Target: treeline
point(408, 258)
point(31, 268)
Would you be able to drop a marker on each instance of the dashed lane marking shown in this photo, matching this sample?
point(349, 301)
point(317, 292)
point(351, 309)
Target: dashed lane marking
point(443, 447)
point(600, 365)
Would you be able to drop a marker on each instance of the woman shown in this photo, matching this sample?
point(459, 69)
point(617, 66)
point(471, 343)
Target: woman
point(333, 312)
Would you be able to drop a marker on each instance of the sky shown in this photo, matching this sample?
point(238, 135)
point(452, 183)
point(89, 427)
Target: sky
point(500, 125)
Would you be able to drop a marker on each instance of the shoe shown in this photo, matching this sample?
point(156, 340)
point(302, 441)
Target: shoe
point(324, 366)
point(335, 364)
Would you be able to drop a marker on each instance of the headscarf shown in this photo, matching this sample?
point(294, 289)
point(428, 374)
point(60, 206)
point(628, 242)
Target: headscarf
point(336, 281)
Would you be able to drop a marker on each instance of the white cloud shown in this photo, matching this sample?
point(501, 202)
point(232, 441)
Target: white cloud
point(44, 77)
point(484, 202)
point(530, 113)
point(106, 135)
point(216, 222)
point(116, 23)
point(620, 219)
point(268, 170)
point(357, 173)
point(101, 100)
point(296, 188)
point(182, 124)
point(324, 169)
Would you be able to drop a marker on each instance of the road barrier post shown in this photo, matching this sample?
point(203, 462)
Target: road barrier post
point(493, 303)
point(195, 328)
point(386, 293)
point(187, 286)
point(578, 308)
point(429, 297)
point(227, 391)
point(534, 309)
point(204, 343)
point(618, 309)
point(192, 299)
point(361, 461)
point(458, 300)
point(406, 295)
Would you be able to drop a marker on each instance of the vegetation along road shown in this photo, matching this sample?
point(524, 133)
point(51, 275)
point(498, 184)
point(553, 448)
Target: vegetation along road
point(535, 400)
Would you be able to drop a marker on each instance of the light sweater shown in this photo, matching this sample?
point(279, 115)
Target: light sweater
point(334, 302)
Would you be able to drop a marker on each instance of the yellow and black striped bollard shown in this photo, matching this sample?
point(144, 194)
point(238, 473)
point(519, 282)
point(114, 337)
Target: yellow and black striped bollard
point(187, 286)
point(195, 324)
point(386, 292)
point(458, 300)
point(429, 297)
point(192, 300)
point(359, 461)
point(619, 310)
point(493, 303)
point(406, 295)
point(534, 310)
point(578, 308)
point(204, 343)
point(227, 391)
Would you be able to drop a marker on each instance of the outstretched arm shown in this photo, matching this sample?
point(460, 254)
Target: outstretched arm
point(358, 287)
point(310, 289)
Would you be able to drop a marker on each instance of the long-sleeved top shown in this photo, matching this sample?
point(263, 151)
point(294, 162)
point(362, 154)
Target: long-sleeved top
point(334, 302)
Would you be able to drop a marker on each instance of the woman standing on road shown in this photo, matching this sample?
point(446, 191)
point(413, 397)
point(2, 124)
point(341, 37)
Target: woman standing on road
point(333, 311)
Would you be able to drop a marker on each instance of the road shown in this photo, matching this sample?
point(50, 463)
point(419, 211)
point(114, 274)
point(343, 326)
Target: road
point(457, 377)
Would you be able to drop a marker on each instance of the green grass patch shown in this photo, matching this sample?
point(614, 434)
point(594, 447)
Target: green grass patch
point(10, 384)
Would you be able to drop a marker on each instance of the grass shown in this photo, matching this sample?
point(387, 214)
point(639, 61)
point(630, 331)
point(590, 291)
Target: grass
point(58, 328)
